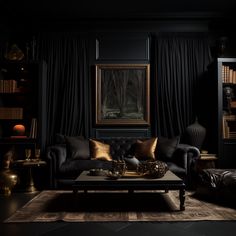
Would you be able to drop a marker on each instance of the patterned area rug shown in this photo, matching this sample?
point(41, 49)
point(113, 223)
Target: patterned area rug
point(51, 206)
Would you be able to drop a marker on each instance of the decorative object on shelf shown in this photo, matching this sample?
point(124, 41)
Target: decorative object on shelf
point(228, 126)
point(19, 130)
point(229, 95)
point(152, 169)
point(8, 178)
point(33, 128)
point(15, 53)
point(196, 134)
point(27, 153)
point(222, 46)
point(37, 153)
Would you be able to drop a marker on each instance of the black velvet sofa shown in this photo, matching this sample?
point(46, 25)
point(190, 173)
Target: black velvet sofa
point(63, 170)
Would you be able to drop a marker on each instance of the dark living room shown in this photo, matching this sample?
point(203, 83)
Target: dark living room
point(118, 118)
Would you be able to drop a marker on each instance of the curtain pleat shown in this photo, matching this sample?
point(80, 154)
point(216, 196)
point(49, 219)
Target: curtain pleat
point(67, 84)
point(178, 62)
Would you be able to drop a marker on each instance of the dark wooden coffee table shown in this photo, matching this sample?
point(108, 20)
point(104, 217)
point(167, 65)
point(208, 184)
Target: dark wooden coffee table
point(170, 181)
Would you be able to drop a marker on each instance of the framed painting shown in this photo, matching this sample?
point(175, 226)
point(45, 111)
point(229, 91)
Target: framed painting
point(122, 94)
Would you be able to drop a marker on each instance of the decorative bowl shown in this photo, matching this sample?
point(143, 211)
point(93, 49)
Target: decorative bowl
point(96, 172)
point(153, 169)
point(113, 175)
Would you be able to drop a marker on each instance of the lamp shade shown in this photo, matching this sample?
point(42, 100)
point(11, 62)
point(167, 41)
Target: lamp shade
point(19, 130)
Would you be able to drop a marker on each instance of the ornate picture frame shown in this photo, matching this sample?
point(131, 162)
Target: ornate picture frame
point(122, 94)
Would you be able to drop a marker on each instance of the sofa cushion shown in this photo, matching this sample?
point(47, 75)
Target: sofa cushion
point(77, 148)
point(166, 147)
point(100, 150)
point(73, 167)
point(145, 149)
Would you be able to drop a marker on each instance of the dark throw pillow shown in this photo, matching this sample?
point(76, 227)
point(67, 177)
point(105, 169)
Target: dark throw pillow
point(61, 138)
point(166, 147)
point(77, 148)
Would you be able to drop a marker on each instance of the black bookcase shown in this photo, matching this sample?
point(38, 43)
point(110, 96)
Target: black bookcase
point(22, 101)
point(223, 111)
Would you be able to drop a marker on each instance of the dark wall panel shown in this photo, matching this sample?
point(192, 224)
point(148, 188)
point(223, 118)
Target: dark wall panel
point(122, 47)
point(136, 132)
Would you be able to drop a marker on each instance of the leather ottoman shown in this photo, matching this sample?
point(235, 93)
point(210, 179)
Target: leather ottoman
point(218, 185)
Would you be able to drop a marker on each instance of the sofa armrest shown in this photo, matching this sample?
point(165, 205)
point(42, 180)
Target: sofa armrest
point(55, 155)
point(186, 155)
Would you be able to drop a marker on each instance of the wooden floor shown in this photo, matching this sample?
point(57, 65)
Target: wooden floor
point(8, 205)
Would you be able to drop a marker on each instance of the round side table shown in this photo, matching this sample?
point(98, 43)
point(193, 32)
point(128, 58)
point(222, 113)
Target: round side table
point(206, 161)
point(30, 165)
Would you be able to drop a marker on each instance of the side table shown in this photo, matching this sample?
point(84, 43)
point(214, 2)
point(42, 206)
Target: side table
point(206, 161)
point(30, 165)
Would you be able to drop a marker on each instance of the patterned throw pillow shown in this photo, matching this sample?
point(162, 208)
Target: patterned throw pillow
point(100, 151)
point(145, 150)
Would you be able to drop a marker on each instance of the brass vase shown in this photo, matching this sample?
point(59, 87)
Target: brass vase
point(8, 179)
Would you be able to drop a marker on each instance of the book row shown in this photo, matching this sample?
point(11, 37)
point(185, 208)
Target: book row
point(228, 75)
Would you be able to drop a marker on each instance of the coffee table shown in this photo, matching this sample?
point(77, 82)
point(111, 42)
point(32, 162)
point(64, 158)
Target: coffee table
point(169, 181)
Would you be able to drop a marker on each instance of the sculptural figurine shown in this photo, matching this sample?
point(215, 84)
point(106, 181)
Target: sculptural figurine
point(229, 94)
point(8, 178)
point(14, 54)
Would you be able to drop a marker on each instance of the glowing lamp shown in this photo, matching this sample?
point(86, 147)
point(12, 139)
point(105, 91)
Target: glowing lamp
point(19, 130)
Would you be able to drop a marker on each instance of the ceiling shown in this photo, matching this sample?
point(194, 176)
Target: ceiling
point(99, 9)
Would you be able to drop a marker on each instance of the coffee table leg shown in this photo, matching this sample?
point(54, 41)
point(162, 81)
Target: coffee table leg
point(182, 199)
point(75, 191)
point(130, 191)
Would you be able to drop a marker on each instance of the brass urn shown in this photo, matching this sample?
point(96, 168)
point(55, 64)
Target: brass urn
point(8, 179)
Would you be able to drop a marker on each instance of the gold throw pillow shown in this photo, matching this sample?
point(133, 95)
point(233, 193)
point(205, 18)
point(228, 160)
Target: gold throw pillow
point(146, 149)
point(100, 151)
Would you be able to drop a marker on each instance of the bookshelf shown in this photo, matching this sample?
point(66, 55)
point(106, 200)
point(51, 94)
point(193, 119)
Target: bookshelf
point(226, 77)
point(22, 101)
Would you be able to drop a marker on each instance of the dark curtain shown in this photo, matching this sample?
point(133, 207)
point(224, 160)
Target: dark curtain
point(179, 63)
point(67, 84)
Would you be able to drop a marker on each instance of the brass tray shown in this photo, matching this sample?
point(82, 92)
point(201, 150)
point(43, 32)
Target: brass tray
point(132, 174)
